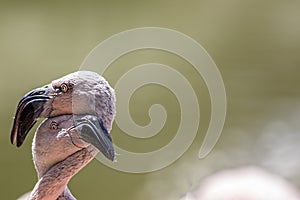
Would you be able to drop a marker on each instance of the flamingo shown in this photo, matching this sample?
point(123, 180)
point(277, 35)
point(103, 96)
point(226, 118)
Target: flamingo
point(80, 109)
point(62, 146)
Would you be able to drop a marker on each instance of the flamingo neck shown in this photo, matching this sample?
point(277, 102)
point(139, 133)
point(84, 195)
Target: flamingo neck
point(53, 183)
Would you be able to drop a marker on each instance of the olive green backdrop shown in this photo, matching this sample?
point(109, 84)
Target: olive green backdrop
point(255, 44)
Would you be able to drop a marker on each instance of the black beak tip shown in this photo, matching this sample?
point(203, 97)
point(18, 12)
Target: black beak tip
point(111, 154)
point(19, 144)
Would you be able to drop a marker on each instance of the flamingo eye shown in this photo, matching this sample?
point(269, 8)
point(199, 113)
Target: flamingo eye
point(53, 125)
point(64, 88)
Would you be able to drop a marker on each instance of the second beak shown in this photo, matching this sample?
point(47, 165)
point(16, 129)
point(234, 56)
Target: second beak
point(90, 129)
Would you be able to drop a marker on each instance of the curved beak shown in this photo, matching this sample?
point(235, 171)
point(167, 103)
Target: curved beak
point(91, 130)
point(28, 111)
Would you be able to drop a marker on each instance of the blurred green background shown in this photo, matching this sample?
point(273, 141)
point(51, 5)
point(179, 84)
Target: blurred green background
point(255, 44)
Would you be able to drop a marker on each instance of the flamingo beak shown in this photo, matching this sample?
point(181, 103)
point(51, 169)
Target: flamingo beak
point(91, 130)
point(28, 111)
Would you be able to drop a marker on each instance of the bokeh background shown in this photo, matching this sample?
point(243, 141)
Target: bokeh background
point(255, 44)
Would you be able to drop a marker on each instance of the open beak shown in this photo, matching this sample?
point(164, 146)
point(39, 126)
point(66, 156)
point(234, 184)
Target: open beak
point(90, 129)
point(28, 111)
